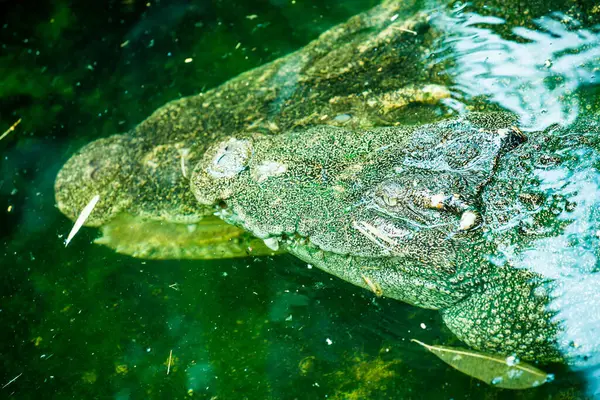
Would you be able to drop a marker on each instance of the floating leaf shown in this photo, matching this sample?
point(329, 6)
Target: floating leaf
point(502, 372)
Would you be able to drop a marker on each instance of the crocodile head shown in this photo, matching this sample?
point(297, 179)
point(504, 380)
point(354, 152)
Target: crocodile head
point(394, 191)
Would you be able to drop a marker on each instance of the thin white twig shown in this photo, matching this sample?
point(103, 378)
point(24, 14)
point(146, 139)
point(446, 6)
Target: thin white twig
point(169, 365)
point(85, 213)
point(184, 154)
point(12, 380)
point(405, 30)
point(9, 130)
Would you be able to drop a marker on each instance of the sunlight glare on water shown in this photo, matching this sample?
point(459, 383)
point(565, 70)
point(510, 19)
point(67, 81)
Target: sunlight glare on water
point(533, 74)
point(571, 259)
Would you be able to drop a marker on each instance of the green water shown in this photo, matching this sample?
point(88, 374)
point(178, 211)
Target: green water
point(84, 322)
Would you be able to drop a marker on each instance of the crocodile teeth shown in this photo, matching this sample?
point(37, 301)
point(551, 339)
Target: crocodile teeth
point(437, 201)
point(272, 243)
point(468, 220)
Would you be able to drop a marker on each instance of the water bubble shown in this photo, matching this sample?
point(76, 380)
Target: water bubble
point(511, 361)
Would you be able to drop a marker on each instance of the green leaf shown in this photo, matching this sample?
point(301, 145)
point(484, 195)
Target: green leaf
point(502, 372)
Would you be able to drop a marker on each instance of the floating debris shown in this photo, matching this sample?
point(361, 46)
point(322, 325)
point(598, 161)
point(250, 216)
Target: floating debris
point(9, 130)
point(170, 359)
point(184, 154)
point(306, 365)
point(85, 213)
point(374, 286)
point(406, 30)
point(494, 370)
point(12, 380)
point(121, 369)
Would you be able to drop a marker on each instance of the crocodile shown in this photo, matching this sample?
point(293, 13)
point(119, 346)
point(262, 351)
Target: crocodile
point(312, 154)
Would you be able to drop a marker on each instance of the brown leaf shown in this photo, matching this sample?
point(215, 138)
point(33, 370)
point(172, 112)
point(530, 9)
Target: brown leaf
point(502, 372)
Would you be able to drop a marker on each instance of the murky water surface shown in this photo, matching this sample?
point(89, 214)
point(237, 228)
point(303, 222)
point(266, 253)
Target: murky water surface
point(85, 322)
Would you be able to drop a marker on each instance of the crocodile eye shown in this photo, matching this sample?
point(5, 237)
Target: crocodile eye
point(389, 194)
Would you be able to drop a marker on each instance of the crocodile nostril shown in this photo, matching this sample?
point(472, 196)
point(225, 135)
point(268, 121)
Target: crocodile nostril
point(94, 173)
point(230, 158)
point(437, 201)
point(93, 167)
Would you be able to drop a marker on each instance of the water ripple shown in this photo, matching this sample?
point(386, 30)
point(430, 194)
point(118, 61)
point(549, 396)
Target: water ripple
point(571, 259)
point(533, 74)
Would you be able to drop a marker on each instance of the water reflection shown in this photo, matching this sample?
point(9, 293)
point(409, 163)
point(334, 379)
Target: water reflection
point(534, 74)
